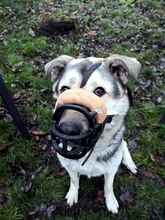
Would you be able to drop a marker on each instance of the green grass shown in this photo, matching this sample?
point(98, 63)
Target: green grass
point(131, 28)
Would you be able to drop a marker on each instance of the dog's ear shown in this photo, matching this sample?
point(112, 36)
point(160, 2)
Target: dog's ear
point(56, 66)
point(122, 67)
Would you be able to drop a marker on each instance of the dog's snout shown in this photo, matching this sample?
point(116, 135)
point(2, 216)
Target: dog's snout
point(70, 128)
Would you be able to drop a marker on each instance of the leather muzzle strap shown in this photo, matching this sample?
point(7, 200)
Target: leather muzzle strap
point(88, 73)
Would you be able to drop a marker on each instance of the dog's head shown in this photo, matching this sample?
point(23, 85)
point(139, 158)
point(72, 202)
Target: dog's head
point(108, 81)
point(105, 79)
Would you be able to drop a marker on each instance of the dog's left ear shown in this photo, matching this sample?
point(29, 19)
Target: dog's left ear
point(122, 67)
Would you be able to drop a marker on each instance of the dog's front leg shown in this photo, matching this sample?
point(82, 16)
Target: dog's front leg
point(111, 201)
point(127, 159)
point(72, 195)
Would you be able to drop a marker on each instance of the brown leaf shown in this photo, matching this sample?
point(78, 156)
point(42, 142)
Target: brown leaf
point(26, 187)
point(31, 32)
point(153, 159)
point(136, 91)
point(62, 173)
point(126, 197)
point(22, 171)
point(17, 95)
point(156, 177)
point(30, 4)
point(87, 29)
point(49, 210)
point(33, 119)
point(37, 133)
point(100, 197)
point(14, 68)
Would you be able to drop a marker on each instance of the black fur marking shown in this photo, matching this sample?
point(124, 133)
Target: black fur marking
point(116, 91)
point(59, 78)
point(85, 65)
point(81, 67)
point(114, 145)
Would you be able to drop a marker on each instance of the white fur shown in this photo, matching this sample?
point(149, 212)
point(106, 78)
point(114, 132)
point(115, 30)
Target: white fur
point(94, 168)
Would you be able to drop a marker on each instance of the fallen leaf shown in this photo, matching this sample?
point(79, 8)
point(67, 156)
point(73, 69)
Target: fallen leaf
point(22, 171)
point(31, 32)
point(153, 158)
point(38, 133)
point(157, 178)
point(49, 210)
point(43, 207)
point(87, 29)
point(126, 197)
point(38, 169)
point(100, 197)
point(17, 95)
point(62, 173)
point(33, 119)
point(6, 43)
point(26, 187)
point(132, 145)
point(160, 159)
point(35, 210)
point(136, 91)
point(14, 68)
point(30, 4)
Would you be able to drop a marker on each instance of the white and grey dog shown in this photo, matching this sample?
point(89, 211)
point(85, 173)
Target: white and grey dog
point(109, 82)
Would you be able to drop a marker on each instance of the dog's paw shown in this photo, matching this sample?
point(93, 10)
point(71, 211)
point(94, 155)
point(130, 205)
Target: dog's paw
point(130, 165)
point(72, 197)
point(133, 167)
point(127, 159)
point(112, 204)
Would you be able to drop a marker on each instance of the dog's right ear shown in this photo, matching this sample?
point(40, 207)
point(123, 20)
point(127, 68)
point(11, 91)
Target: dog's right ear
point(56, 66)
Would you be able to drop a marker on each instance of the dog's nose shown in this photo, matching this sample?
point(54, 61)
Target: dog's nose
point(70, 128)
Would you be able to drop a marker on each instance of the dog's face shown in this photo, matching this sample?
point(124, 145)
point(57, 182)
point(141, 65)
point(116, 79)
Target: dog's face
point(108, 82)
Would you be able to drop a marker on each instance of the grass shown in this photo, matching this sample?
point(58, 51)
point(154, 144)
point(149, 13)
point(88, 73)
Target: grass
point(29, 170)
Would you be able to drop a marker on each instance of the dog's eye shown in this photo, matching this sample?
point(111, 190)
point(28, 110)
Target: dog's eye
point(64, 88)
point(99, 91)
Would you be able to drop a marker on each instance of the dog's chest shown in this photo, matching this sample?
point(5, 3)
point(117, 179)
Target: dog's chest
point(93, 167)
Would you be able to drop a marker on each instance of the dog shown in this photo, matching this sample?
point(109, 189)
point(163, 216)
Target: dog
point(109, 82)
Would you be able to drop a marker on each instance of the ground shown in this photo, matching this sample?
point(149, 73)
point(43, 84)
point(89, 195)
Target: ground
point(32, 182)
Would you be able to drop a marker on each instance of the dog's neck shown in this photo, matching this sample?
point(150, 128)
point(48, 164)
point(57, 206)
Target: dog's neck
point(116, 122)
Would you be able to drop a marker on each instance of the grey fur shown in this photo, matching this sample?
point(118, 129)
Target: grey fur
point(113, 147)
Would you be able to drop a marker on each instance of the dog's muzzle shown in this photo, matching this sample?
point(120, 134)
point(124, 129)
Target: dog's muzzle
point(81, 143)
point(75, 146)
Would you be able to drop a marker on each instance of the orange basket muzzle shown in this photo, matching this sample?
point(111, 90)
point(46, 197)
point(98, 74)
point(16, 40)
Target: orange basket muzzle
point(95, 112)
